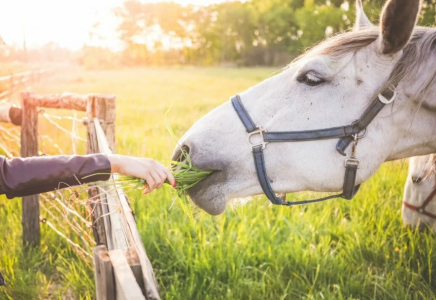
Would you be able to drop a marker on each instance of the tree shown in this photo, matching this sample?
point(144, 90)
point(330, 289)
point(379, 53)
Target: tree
point(256, 32)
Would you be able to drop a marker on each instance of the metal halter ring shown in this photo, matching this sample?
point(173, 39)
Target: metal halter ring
point(359, 135)
point(384, 100)
point(259, 130)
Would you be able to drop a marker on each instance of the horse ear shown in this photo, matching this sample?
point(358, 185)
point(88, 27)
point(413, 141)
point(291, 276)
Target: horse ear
point(362, 20)
point(397, 22)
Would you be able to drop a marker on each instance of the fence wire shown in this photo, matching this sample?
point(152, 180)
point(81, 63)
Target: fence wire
point(67, 212)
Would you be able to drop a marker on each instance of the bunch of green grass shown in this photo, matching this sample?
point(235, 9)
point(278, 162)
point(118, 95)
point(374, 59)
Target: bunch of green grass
point(184, 172)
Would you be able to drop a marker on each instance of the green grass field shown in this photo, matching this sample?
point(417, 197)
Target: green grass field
point(342, 249)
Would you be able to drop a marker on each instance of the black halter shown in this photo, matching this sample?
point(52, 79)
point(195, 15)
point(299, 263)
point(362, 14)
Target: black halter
point(346, 135)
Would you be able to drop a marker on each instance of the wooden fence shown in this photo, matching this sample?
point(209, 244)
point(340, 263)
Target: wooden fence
point(122, 268)
point(17, 82)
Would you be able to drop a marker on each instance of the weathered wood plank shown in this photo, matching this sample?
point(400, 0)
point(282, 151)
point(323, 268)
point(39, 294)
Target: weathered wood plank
point(151, 290)
point(147, 270)
point(104, 276)
point(100, 218)
point(122, 238)
point(134, 263)
point(29, 147)
point(98, 225)
point(119, 218)
point(127, 287)
point(60, 101)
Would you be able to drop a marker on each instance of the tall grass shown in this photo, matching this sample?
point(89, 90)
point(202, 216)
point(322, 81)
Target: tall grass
point(342, 249)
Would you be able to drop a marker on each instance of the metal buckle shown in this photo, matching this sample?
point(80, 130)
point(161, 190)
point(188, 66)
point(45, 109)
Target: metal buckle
point(384, 100)
point(352, 161)
point(259, 130)
point(360, 135)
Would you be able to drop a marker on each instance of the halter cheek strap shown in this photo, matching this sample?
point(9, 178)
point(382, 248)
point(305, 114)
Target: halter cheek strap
point(349, 188)
point(346, 134)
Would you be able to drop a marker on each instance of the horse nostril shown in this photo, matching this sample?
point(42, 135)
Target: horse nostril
point(179, 153)
point(416, 180)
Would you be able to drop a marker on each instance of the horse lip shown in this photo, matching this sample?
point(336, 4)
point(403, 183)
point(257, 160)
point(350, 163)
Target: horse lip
point(214, 172)
point(202, 185)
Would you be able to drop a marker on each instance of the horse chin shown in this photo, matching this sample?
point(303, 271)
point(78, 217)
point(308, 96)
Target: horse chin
point(209, 195)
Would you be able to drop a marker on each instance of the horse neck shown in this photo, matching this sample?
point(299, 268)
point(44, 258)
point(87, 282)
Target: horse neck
point(414, 114)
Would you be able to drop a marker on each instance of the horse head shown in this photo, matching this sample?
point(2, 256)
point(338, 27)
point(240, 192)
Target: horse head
point(331, 85)
point(419, 207)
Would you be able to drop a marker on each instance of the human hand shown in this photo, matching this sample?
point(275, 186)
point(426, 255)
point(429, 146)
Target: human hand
point(148, 169)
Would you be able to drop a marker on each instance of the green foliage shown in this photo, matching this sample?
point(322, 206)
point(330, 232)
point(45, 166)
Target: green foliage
point(256, 32)
point(341, 249)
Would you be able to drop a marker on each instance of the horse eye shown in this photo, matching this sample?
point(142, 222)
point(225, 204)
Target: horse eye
point(416, 180)
point(310, 79)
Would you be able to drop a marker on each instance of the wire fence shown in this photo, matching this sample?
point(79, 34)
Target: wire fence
point(85, 214)
point(66, 212)
point(10, 84)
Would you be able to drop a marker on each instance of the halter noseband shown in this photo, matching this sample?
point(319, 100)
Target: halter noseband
point(346, 134)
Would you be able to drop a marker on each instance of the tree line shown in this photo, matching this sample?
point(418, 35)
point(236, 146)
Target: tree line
point(256, 32)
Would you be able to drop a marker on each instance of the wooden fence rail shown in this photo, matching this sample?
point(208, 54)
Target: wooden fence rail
point(132, 269)
point(17, 82)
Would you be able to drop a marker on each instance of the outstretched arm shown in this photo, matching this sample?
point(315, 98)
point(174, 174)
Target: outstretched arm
point(27, 176)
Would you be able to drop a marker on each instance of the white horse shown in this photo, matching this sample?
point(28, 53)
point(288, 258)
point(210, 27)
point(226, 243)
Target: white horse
point(419, 203)
point(330, 85)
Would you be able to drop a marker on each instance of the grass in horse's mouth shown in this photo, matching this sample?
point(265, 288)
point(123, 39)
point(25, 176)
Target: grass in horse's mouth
point(184, 172)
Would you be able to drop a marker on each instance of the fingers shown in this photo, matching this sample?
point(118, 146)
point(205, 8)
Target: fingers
point(170, 177)
point(163, 175)
point(155, 175)
point(159, 177)
point(150, 182)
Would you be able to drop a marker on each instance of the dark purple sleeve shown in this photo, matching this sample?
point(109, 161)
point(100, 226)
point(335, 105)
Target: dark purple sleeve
point(28, 176)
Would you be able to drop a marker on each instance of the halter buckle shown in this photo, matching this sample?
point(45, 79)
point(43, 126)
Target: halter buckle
point(352, 161)
point(259, 130)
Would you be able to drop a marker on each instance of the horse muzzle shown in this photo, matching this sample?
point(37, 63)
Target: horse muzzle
point(210, 193)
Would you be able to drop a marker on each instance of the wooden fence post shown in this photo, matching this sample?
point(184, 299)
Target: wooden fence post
point(103, 108)
point(29, 147)
point(104, 274)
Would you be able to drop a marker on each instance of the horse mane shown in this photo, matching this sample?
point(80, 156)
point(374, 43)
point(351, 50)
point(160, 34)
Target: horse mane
point(432, 161)
point(419, 50)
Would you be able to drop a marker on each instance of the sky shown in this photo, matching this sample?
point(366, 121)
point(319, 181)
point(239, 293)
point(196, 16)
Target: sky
point(65, 22)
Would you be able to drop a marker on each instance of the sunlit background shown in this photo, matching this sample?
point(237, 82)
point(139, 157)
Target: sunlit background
point(109, 33)
point(191, 56)
point(70, 24)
